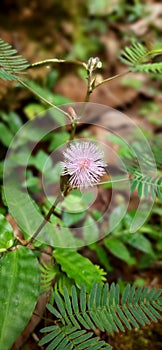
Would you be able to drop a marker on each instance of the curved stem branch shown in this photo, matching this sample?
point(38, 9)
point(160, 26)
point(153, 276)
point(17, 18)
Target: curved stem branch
point(42, 98)
point(114, 181)
point(112, 78)
point(56, 60)
point(58, 199)
point(46, 218)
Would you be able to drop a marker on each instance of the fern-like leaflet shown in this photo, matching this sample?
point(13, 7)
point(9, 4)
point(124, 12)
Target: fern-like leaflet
point(134, 54)
point(11, 63)
point(48, 272)
point(149, 67)
point(137, 58)
point(143, 180)
point(67, 338)
point(147, 185)
point(103, 308)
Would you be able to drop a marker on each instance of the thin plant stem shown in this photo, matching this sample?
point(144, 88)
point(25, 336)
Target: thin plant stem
point(73, 130)
point(46, 218)
point(91, 87)
point(55, 60)
point(112, 78)
point(73, 122)
point(87, 96)
point(43, 99)
point(114, 181)
point(43, 251)
point(111, 181)
point(149, 53)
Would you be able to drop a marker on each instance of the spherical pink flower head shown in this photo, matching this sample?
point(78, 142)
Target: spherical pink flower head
point(83, 162)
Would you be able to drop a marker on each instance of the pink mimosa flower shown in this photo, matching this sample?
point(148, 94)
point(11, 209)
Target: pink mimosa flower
point(83, 163)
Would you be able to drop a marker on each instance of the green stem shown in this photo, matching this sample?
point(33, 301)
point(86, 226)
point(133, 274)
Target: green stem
point(110, 182)
point(89, 87)
point(114, 181)
point(73, 130)
point(149, 53)
point(46, 218)
point(42, 98)
point(55, 60)
point(87, 96)
point(112, 78)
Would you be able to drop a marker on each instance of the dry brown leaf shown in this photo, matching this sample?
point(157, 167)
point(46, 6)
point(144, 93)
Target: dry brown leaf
point(141, 26)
